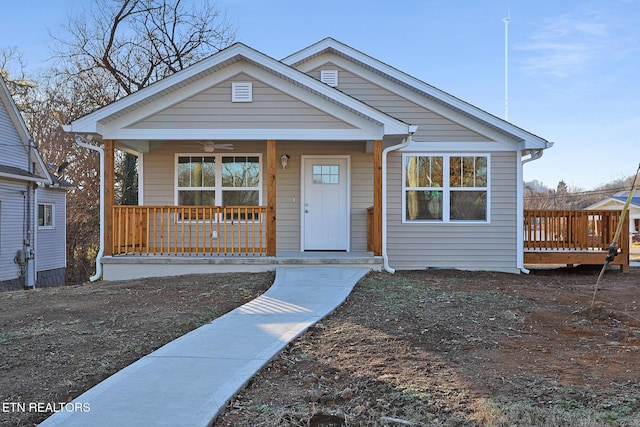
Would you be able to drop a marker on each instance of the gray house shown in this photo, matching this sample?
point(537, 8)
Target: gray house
point(32, 208)
point(326, 156)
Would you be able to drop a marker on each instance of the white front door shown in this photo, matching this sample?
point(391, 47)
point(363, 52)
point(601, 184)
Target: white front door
point(325, 203)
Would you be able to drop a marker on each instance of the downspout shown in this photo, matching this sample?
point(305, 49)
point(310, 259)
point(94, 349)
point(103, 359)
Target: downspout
point(534, 155)
point(79, 141)
point(405, 142)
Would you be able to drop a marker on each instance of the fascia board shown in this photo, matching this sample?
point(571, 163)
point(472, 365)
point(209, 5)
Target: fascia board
point(88, 124)
point(25, 178)
point(530, 140)
point(23, 133)
point(601, 203)
point(246, 134)
point(331, 108)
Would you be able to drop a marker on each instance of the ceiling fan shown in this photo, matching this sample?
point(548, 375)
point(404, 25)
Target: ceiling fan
point(211, 146)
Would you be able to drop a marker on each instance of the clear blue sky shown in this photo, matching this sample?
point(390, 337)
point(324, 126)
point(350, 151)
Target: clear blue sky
point(574, 65)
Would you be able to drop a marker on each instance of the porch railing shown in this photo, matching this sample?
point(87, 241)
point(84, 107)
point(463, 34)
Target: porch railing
point(573, 230)
point(189, 230)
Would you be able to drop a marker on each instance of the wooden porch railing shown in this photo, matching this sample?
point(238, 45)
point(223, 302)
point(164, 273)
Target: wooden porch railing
point(573, 236)
point(189, 230)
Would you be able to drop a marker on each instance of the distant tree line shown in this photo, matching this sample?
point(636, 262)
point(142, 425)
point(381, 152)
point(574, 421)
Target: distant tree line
point(537, 196)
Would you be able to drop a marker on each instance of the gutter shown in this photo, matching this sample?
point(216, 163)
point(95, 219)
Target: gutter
point(80, 141)
point(533, 155)
point(405, 142)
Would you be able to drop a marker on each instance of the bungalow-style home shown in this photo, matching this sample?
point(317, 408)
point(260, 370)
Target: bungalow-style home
point(32, 208)
point(326, 156)
point(616, 203)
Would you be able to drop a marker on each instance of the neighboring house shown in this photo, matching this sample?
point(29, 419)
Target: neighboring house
point(32, 208)
point(616, 203)
point(346, 154)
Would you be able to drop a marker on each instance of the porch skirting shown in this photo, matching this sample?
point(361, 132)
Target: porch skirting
point(141, 266)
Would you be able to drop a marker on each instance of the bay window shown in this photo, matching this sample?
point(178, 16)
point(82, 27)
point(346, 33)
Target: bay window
point(445, 188)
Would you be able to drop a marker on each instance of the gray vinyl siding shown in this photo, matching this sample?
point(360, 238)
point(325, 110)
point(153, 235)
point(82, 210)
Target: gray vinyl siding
point(159, 181)
point(432, 126)
point(489, 246)
point(270, 109)
point(11, 146)
point(11, 226)
point(51, 245)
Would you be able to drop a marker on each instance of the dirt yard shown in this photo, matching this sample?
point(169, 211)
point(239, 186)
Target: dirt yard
point(435, 347)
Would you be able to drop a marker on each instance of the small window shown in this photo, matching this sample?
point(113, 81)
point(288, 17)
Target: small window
point(329, 77)
point(45, 215)
point(326, 174)
point(242, 92)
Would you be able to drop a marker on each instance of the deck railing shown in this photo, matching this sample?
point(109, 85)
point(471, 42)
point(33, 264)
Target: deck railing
point(189, 230)
point(572, 230)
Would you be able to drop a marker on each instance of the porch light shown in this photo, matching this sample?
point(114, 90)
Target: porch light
point(284, 159)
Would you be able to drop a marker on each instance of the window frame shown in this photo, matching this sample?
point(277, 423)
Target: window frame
point(446, 188)
point(218, 187)
point(44, 226)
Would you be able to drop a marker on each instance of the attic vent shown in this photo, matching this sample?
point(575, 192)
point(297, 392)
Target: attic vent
point(241, 92)
point(329, 77)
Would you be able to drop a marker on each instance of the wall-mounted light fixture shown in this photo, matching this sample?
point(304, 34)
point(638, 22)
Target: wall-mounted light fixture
point(284, 159)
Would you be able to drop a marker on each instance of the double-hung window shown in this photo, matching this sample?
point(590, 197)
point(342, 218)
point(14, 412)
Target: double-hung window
point(219, 180)
point(445, 188)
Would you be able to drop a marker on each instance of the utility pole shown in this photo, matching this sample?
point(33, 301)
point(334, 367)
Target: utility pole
point(506, 64)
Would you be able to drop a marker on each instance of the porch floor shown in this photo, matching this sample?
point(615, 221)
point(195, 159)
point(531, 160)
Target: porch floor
point(127, 267)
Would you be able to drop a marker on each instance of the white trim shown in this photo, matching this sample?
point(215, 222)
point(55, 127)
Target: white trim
point(141, 179)
point(531, 140)
point(218, 188)
point(302, 195)
point(447, 189)
point(91, 123)
point(520, 213)
point(51, 226)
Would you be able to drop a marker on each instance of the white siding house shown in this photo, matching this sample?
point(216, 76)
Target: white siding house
point(30, 255)
point(350, 155)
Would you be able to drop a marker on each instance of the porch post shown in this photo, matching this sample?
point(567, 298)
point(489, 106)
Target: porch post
point(109, 170)
point(377, 197)
point(271, 197)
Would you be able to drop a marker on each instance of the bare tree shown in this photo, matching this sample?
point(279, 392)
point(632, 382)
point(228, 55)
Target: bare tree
point(133, 43)
point(112, 49)
point(137, 42)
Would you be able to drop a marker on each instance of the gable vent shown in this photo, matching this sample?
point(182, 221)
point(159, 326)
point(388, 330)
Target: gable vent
point(329, 77)
point(242, 92)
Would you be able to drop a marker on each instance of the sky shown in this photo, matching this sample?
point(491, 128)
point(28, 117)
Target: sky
point(573, 65)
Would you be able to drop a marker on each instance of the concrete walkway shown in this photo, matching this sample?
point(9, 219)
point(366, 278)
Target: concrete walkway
point(189, 381)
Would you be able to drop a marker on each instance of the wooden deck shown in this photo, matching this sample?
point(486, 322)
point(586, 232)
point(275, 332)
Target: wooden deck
point(574, 237)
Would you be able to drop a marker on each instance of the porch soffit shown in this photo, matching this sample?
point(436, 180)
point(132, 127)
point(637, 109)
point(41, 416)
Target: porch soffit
point(310, 57)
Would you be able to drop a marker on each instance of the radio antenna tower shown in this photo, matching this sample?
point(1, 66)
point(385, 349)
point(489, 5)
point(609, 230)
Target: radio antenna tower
point(506, 63)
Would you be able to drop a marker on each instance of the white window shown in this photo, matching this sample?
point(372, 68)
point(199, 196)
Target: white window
point(218, 180)
point(46, 215)
point(445, 188)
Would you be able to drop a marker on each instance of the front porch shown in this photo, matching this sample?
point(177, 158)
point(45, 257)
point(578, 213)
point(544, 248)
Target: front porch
point(140, 266)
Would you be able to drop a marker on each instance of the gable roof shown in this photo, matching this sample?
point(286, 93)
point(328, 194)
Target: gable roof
point(529, 140)
point(157, 96)
point(619, 198)
point(11, 171)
